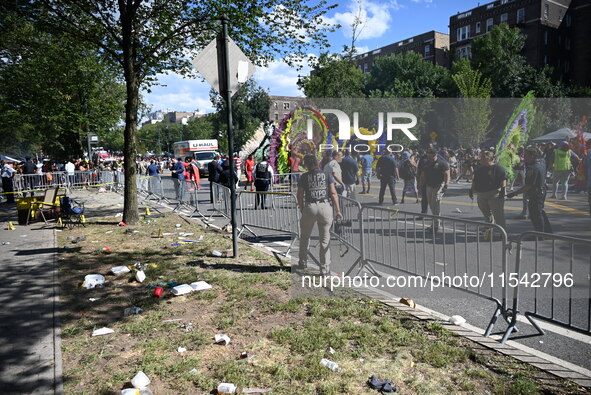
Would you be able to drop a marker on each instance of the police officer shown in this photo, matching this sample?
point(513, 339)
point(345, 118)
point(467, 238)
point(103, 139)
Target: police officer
point(262, 175)
point(489, 183)
point(387, 172)
point(535, 189)
point(315, 188)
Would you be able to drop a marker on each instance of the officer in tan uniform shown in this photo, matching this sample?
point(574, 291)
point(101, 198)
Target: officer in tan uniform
point(316, 189)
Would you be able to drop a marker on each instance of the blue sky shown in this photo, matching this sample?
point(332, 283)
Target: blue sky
point(386, 22)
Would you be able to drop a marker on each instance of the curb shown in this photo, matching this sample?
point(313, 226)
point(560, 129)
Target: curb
point(57, 329)
point(487, 342)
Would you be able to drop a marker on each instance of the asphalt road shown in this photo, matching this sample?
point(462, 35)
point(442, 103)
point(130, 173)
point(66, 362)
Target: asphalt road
point(398, 244)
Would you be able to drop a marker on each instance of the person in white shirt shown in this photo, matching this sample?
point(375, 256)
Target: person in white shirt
point(70, 168)
point(7, 186)
point(334, 169)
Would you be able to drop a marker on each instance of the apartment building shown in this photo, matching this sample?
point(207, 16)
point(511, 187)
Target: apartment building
point(433, 46)
point(557, 33)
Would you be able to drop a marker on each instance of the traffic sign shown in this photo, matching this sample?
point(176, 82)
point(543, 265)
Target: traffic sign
point(210, 61)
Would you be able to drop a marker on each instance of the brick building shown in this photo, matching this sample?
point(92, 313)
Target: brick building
point(557, 33)
point(283, 105)
point(433, 46)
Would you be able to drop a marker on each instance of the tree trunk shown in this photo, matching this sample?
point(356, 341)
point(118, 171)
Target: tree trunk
point(132, 84)
point(130, 202)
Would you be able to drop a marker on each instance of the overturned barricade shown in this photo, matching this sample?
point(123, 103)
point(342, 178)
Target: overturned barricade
point(273, 211)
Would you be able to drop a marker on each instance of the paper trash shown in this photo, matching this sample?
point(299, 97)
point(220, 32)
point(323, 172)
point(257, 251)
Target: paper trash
point(93, 281)
point(102, 331)
point(119, 270)
point(221, 339)
point(200, 286)
point(182, 289)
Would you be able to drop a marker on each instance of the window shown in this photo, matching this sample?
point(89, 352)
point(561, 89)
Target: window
point(463, 33)
point(286, 106)
point(567, 43)
point(521, 15)
point(566, 66)
point(569, 20)
point(275, 105)
point(546, 10)
point(365, 67)
point(477, 27)
point(464, 52)
point(546, 37)
point(276, 117)
point(504, 1)
point(545, 60)
point(504, 18)
point(489, 24)
point(559, 40)
point(427, 50)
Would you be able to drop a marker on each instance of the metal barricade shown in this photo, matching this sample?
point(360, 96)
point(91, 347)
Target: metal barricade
point(409, 242)
point(221, 201)
point(348, 229)
point(171, 190)
point(280, 215)
point(106, 179)
point(551, 282)
point(285, 182)
point(154, 188)
point(56, 179)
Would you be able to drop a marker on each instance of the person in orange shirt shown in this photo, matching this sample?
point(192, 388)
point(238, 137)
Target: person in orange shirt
point(248, 168)
point(192, 172)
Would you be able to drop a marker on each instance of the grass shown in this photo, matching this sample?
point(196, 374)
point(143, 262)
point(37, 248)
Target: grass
point(250, 301)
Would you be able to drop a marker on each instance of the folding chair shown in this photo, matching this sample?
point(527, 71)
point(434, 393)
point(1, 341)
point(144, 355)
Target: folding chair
point(71, 212)
point(47, 205)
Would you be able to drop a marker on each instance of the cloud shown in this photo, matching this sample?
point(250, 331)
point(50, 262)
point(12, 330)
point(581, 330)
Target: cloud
point(281, 79)
point(374, 17)
point(176, 93)
point(179, 94)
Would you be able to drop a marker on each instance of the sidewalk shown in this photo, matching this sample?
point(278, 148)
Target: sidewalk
point(30, 347)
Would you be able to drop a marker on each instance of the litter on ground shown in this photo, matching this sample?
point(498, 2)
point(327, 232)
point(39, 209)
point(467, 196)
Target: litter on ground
point(102, 331)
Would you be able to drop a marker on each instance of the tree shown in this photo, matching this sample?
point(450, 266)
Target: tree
point(334, 77)
point(144, 38)
point(498, 55)
point(407, 75)
point(250, 108)
point(472, 112)
point(53, 91)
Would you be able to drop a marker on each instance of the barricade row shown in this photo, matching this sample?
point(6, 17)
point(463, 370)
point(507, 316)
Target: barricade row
point(408, 242)
point(34, 182)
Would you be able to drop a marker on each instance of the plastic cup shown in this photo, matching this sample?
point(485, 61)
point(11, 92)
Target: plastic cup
point(140, 380)
point(158, 292)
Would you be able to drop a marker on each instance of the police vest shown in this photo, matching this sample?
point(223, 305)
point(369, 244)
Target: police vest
point(562, 160)
point(316, 186)
point(262, 172)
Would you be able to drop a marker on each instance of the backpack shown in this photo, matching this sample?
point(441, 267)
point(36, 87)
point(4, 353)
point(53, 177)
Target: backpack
point(407, 172)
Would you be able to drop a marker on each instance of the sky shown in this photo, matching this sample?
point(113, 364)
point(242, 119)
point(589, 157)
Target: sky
point(386, 22)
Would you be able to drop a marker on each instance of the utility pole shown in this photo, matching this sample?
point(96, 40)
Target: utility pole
point(225, 65)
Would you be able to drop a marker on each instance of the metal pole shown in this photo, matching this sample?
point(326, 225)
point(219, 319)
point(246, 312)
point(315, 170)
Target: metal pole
point(228, 98)
point(89, 148)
